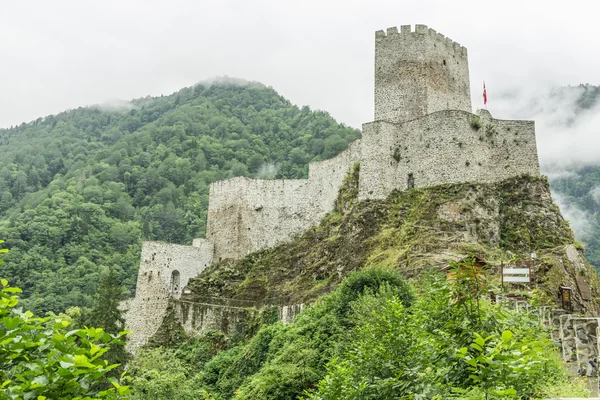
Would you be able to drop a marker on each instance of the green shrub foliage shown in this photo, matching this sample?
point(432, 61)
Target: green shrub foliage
point(374, 337)
point(40, 358)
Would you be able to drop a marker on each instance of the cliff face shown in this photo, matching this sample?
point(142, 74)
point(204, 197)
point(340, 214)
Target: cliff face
point(413, 230)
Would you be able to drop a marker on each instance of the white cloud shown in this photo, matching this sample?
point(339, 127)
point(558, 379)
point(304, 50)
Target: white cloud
point(578, 219)
point(68, 53)
point(115, 105)
point(267, 171)
point(567, 137)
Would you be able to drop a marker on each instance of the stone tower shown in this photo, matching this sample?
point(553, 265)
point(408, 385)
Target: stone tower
point(418, 73)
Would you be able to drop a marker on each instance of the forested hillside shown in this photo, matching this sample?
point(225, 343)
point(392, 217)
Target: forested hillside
point(576, 187)
point(580, 193)
point(81, 189)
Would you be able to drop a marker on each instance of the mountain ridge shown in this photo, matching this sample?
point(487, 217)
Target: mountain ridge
point(81, 185)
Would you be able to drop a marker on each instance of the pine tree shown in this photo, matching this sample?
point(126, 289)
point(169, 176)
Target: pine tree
point(106, 313)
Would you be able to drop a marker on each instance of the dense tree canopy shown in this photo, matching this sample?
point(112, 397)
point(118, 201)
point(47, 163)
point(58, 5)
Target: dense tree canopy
point(580, 192)
point(81, 189)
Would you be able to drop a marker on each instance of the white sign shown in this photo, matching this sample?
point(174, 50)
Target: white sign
point(516, 275)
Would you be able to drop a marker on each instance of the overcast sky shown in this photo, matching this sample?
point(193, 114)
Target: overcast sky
point(61, 54)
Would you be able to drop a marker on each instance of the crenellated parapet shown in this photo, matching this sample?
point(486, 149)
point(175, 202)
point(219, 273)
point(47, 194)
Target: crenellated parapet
point(421, 30)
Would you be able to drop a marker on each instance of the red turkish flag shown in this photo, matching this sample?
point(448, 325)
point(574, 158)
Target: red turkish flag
point(484, 94)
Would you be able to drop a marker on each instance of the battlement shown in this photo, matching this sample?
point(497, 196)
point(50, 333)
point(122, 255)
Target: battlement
point(421, 30)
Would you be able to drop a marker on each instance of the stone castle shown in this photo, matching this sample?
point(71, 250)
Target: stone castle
point(424, 134)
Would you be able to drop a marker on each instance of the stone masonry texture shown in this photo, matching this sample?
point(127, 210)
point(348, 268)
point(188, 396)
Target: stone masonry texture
point(159, 264)
point(246, 215)
point(417, 73)
point(444, 147)
point(424, 134)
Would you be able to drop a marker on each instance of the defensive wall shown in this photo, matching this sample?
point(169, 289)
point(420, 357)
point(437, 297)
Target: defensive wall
point(444, 147)
point(197, 318)
point(246, 215)
point(164, 270)
point(424, 134)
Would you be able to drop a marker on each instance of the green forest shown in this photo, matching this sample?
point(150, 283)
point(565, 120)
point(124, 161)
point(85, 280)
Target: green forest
point(579, 185)
point(581, 190)
point(80, 190)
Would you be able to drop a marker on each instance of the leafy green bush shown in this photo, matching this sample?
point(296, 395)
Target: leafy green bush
point(375, 337)
point(41, 359)
point(430, 352)
point(159, 374)
point(228, 370)
point(369, 280)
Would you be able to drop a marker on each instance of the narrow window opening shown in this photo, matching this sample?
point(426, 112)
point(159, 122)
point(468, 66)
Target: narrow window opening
point(444, 62)
point(411, 181)
point(175, 278)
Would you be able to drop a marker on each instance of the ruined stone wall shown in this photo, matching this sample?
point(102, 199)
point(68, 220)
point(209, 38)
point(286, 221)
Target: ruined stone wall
point(417, 73)
point(197, 318)
point(246, 215)
point(164, 270)
point(444, 147)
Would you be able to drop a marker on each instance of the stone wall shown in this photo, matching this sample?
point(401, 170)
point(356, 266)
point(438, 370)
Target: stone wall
point(164, 270)
point(197, 318)
point(246, 215)
point(444, 147)
point(418, 73)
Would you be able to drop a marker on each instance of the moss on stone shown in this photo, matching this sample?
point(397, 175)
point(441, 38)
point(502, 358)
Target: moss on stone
point(170, 332)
